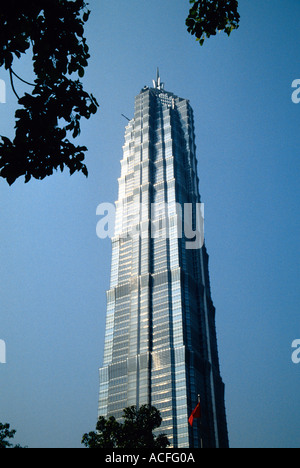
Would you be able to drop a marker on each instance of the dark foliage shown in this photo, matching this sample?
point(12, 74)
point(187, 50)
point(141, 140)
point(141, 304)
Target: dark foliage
point(5, 435)
point(135, 432)
point(54, 30)
point(207, 17)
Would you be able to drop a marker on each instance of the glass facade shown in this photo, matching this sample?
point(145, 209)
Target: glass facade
point(160, 341)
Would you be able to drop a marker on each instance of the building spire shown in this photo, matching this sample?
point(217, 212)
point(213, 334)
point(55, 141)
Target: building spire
point(158, 83)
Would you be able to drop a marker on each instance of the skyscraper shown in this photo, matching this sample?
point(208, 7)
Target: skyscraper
point(160, 341)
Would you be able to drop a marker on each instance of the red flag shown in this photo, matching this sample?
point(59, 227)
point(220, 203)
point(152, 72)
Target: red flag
point(195, 414)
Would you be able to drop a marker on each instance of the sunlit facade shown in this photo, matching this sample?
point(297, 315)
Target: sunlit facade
point(160, 341)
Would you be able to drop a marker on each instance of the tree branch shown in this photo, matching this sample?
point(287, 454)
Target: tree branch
point(12, 83)
point(19, 78)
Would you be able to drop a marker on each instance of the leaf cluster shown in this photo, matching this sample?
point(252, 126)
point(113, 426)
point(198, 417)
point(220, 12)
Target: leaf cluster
point(207, 17)
point(135, 432)
point(54, 30)
point(5, 434)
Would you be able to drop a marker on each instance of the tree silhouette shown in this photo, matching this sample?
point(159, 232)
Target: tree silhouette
point(5, 435)
point(207, 17)
point(54, 30)
point(135, 432)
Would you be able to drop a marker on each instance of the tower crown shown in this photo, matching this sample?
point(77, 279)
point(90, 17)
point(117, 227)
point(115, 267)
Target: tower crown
point(157, 84)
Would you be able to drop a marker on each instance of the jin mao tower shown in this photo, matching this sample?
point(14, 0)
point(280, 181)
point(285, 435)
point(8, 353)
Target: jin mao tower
point(160, 341)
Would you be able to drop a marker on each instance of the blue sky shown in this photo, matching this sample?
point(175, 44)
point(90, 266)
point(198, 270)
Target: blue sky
point(54, 270)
